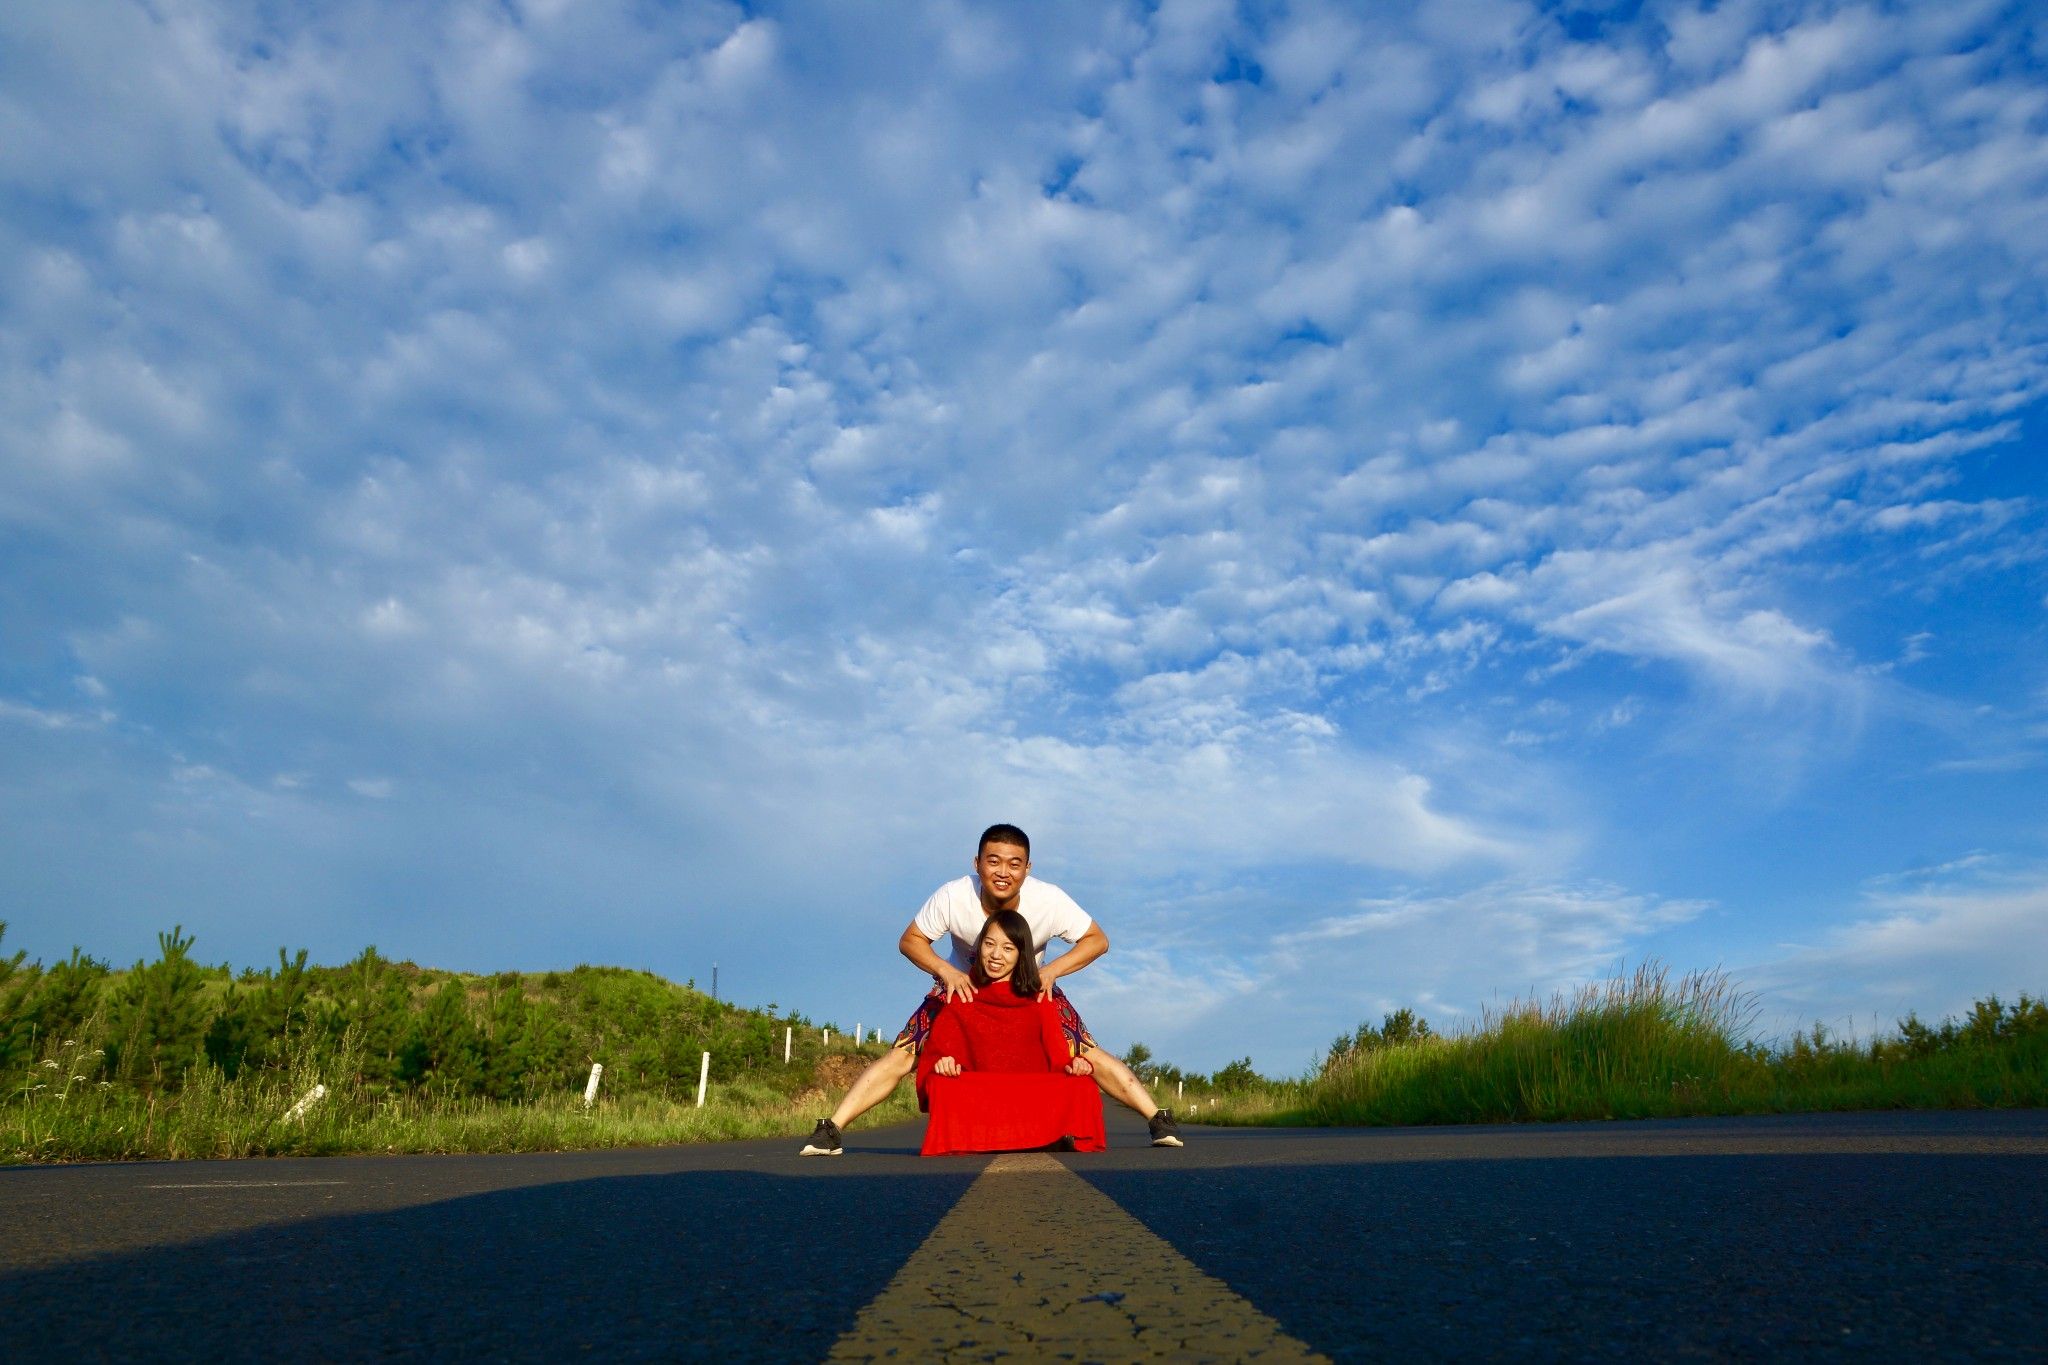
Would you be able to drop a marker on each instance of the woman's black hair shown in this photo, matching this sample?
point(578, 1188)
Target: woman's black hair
point(1024, 978)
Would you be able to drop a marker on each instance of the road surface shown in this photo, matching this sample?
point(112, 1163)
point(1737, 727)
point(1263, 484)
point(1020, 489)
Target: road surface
point(1866, 1237)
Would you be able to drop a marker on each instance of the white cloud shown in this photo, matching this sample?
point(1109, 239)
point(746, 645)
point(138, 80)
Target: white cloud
point(44, 718)
point(1282, 995)
point(1930, 943)
point(1544, 934)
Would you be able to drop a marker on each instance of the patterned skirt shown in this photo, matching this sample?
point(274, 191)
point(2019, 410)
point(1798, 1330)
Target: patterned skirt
point(919, 1026)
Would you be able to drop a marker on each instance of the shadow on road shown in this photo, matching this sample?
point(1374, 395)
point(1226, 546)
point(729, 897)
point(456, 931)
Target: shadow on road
point(738, 1265)
point(1894, 1256)
point(1366, 1246)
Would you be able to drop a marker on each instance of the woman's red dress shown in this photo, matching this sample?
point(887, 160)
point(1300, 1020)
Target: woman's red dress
point(1011, 1094)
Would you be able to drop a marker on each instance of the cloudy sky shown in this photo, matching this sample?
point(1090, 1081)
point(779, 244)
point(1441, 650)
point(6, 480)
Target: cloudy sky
point(1408, 505)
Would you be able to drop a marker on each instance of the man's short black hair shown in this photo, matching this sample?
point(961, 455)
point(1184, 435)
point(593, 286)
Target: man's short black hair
point(1004, 834)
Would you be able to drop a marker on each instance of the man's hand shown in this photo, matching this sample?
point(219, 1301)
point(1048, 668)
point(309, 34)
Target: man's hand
point(1080, 1066)
point(946, 1066)
point(1086, 949)
point(915, 946)
point(959, 986)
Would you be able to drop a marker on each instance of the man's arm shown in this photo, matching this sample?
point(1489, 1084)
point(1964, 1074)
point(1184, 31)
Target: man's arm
point(1086, 949)
point(915, 946)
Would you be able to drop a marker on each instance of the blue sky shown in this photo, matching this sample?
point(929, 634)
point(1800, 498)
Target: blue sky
point(1408, 505)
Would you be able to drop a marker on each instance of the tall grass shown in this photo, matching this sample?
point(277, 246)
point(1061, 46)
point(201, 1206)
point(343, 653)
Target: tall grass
point(60, 1111)
point(1644, 1045)
point(172, 1058)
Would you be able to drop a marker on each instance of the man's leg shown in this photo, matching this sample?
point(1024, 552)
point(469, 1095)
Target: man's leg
point(878, 1080)
point(1116, 1079)
point(1120, 1083)
point(875, 1084)
point(870, 1088)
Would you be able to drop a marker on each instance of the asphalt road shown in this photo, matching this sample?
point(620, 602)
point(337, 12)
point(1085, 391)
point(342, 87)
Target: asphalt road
point(1895, 1236)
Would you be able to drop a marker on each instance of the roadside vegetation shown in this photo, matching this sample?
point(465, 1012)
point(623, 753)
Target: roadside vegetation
point(176, 1058)
point(1645, 1045)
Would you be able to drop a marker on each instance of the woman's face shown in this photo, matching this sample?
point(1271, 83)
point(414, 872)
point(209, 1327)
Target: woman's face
point(998, 955)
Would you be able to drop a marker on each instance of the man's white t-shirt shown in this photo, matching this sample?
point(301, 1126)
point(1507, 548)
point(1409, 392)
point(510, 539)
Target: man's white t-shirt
point(955, 909)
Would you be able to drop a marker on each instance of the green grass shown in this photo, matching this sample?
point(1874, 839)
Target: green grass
point(176, 1058)
point(1639, 1046)
point(61, 1113)
point(1644, 1046)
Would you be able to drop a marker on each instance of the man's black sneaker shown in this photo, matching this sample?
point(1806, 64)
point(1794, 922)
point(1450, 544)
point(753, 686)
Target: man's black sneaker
point(1165, 1132)
point(825, 1140)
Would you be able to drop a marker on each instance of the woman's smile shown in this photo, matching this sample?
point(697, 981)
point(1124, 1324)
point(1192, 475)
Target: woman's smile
point(998, 956)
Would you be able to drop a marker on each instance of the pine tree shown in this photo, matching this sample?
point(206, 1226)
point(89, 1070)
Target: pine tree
point(443, 1050)
point(67, 997)
point(259, 1017)
point(372, 1009)
point(17, 1027)
point(159, 1016)
point(281, 1008)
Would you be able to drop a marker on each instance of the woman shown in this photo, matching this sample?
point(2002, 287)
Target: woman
point(997, 1073)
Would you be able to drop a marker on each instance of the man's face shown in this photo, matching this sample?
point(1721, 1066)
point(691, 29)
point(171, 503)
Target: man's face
point(1002, 868)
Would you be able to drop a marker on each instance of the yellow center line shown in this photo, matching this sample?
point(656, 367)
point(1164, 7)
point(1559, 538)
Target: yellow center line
point(1035, 1262)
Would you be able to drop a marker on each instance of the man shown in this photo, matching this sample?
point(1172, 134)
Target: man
point(1001, 880)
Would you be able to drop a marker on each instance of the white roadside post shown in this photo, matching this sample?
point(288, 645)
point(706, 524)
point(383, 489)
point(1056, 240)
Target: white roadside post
point(828, 1037)
point(1178, 1086)
point(305, 1104)
point(590, 1090)
point(787, 1034)
point(703, 1078)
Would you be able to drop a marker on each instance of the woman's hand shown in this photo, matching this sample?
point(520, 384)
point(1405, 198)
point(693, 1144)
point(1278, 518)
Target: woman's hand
point(946, 1066)
point(1080, 1066)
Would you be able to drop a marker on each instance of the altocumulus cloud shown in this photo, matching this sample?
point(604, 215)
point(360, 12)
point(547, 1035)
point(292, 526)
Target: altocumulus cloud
point(524, 483)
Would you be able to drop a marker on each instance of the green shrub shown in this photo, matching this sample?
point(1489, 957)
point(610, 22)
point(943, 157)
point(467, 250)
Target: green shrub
point(1237, 1075)
point(158, 1016)
point(1643, 1045)
point(17, 1029)
point(1396, 1028)
point(443, 1049)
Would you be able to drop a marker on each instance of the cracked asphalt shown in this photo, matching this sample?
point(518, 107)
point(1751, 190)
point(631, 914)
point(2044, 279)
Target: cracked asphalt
point(1866, 1237)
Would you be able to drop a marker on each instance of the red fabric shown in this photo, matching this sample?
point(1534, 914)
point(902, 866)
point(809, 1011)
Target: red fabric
point(1012, 1111)
point(998, 1030)
point(1012, 1094)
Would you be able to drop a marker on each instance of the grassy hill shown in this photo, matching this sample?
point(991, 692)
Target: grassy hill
point(175, 1058)
point(1646, 1046)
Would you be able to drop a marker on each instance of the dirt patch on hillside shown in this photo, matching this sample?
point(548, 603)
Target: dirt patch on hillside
point(836, 1072)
